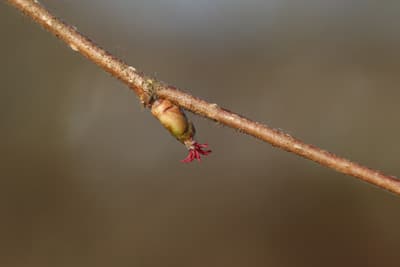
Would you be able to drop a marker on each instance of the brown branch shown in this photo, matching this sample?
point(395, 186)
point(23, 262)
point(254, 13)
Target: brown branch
point(144, 87)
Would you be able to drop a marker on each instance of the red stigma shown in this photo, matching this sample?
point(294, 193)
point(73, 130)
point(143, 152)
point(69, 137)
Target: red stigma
point(195, 152)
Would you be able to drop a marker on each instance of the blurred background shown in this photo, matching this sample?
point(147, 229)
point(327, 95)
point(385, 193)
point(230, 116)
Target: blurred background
point(90, 178)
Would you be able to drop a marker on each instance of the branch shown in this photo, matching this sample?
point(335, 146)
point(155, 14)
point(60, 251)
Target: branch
point(144, 86)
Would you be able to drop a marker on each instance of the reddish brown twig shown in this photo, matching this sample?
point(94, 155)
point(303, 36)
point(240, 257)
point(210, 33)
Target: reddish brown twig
point(145, 87)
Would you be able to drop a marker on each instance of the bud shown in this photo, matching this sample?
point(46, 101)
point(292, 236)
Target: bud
point(172, 117)
point(175, 121)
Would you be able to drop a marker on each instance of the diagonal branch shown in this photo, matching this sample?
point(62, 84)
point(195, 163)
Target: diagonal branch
point(144, 86)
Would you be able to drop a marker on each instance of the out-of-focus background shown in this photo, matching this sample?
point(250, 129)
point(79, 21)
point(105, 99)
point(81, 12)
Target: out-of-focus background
point(90, 178)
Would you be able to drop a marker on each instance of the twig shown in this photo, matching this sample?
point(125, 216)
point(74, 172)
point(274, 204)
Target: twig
point(144, 87)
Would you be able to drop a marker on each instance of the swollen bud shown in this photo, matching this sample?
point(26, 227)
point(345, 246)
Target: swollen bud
point(175, 121)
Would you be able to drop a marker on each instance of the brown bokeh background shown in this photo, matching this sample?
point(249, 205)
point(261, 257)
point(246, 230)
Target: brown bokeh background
point(89, 178)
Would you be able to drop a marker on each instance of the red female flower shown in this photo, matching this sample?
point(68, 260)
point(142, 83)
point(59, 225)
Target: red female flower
point(175, 121)
point(195, 150)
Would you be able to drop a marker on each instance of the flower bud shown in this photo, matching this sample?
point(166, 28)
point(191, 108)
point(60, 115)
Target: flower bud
point(173, 119)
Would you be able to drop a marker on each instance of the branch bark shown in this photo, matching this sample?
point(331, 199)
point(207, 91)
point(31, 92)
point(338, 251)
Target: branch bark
point(144, 86)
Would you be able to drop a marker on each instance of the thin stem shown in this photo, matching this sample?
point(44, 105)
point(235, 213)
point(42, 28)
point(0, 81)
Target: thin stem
point(144, 87)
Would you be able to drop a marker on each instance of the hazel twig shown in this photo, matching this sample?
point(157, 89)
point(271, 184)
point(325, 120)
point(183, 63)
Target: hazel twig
point(145, 87)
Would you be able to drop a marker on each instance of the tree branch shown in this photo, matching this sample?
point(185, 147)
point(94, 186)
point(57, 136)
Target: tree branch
point(144, 86)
